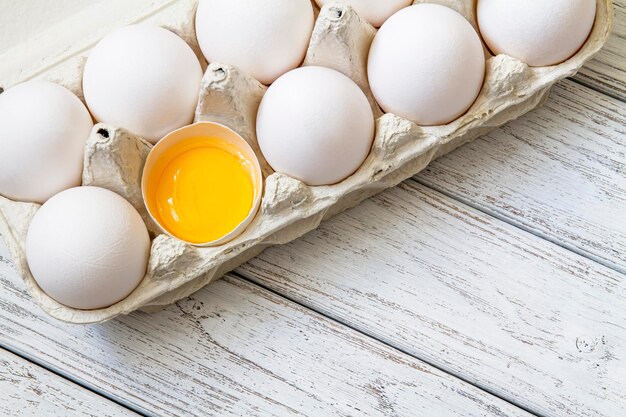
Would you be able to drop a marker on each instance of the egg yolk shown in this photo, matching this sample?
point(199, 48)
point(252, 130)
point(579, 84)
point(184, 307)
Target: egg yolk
point(204, 193)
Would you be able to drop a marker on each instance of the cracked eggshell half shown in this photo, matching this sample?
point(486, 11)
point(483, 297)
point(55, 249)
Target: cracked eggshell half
point(142, 78)
point(87, 248)
point(426, 64)
point(263, 38)
point(43, 130)
point(315, 125)
point(374, 11)
point(537, 32)
point(202, 184)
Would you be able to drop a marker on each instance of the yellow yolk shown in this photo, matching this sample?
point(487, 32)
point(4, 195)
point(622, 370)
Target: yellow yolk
point(203, 193)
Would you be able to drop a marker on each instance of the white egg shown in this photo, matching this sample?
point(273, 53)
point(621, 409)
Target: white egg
point(143, 78)
point(87, 248)
point(374, 11)
point(426, 64)
point(263, 38)
point(43, 129)
point(316, 125)
point(537, 32)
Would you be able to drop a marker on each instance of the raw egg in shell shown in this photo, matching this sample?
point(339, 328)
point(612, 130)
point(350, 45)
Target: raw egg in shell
point(202, 184)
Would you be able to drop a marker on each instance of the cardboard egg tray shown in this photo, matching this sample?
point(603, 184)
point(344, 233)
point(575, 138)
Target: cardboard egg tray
point(114, 157)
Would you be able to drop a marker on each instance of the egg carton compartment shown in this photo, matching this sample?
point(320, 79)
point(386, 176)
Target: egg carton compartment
point(114, 157)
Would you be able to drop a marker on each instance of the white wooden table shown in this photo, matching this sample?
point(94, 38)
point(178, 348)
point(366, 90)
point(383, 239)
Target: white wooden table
point(492, 284)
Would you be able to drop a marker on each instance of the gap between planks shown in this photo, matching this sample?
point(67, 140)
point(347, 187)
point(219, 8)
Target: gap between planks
point(385, 342)
point(513, 314)
point(606, 72)
point(28, 389)
point(64, 376)
point(236, 349)
point(565, 95)
point(579, 79)
point(520, 225)
point(558, 173)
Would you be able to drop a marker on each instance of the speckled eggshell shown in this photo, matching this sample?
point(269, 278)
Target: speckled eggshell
point(374, 11)
point(87, 248)
point(43, 130)
point(143, 78)
point(263, 38)
point(316, 125)
point(537, 32)
point(437, 61)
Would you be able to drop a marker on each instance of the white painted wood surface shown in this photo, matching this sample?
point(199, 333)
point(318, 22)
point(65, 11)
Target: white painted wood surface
point(606, 73)
point(64, 38)
point(512, 313)
point(234, 349)
point(501, 308)
point(559, 172)
point(535, 324)
point(28, 390)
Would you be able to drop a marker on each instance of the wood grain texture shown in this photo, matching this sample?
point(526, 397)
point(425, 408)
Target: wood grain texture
point(28, 390)
point(234, 349)
point(559, 172)
point(607, 71)
point(514, 314)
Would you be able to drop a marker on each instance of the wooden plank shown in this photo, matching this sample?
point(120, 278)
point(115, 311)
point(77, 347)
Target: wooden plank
point(559, 172)
point(236, 349)
point(28, 390)
point(583, 342)
point(514, 314)
point(607, 71)
point(62, 40)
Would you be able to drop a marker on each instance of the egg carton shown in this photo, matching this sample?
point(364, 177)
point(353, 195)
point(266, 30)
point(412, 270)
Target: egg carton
point(114, 157)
